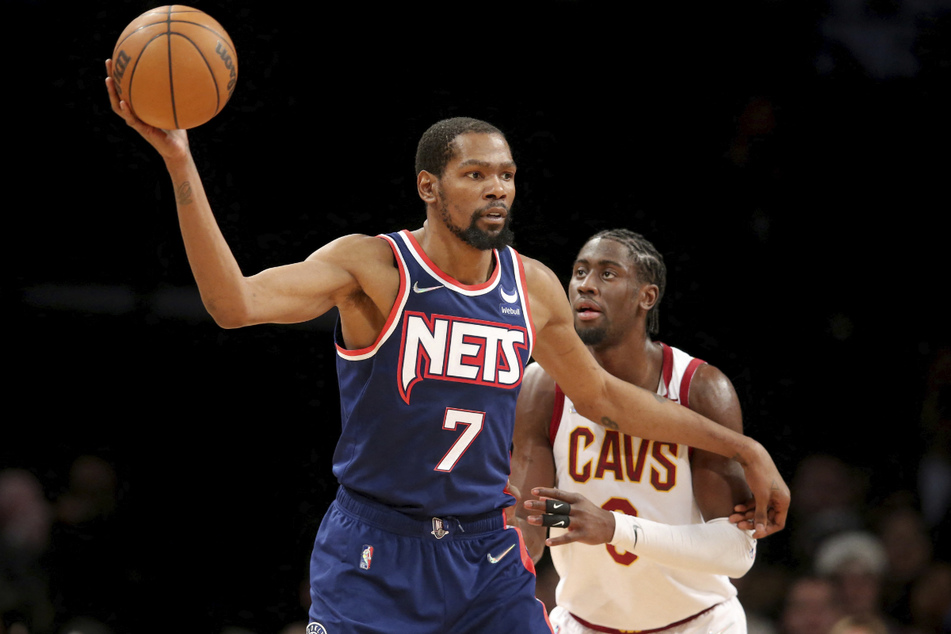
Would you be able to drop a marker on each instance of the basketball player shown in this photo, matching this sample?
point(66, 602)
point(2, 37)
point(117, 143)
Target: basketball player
point(649, 546)
point(433, 335)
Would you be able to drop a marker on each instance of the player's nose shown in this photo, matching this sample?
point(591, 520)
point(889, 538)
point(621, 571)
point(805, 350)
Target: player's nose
point(497, 188)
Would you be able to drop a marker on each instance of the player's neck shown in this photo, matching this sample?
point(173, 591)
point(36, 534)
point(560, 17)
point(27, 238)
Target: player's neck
point(636, 360)
point(460, 261)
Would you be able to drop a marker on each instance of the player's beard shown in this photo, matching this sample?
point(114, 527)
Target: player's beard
point(592, 336)
point(476, 237)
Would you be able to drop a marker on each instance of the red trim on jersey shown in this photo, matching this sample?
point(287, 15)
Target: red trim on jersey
point(685, 383)
point(394, 311)
point(667, 369)
point(496, 271)
point(520, 268)
point(557, 411)
point(609, 630)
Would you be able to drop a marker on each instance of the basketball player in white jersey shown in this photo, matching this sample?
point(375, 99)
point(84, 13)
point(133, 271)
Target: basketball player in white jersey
point(641, 535)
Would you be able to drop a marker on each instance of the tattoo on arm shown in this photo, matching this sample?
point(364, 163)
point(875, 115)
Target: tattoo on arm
point(183, 195)
point(607, 422)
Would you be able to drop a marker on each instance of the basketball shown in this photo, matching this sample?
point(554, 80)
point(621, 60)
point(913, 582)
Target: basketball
point(175, 66)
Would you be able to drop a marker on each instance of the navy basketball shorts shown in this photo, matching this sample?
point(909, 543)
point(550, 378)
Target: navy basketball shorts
point(374, 570)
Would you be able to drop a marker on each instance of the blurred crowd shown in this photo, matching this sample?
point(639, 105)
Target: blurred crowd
point(850, 561)
point(846, 565)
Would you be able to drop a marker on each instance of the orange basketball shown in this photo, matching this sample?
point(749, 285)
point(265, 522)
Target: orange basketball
point(175, 66)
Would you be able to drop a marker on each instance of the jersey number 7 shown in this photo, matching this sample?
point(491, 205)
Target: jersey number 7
point(453, 418)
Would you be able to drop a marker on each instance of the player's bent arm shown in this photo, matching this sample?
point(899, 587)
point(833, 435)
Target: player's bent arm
point(287, 294)
point(618, 405)
point(718, 482)
point(533, 463)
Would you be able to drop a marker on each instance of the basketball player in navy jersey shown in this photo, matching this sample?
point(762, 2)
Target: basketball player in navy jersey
point(649, 544)
point(435, 329)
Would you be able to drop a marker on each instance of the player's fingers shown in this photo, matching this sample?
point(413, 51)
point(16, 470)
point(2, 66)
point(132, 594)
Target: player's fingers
point(760, 522)
point(558, 494)
point(777, 520)
point(557, 507)
point(556, 521)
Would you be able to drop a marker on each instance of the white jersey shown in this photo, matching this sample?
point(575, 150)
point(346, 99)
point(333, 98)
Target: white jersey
point(604, 585)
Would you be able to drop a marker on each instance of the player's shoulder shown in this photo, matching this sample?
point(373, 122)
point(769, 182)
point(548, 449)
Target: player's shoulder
point(355, 248)
point(538, 275)
point(707, 381)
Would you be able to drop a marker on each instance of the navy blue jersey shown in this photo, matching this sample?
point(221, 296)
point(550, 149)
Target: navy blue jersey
point(428, 410)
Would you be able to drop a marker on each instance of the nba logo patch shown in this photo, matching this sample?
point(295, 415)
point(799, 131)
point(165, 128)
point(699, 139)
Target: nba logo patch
point(366, 557)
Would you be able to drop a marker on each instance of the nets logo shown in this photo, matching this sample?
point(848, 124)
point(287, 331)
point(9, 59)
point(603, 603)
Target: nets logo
point(316, 628)
point(460, 350)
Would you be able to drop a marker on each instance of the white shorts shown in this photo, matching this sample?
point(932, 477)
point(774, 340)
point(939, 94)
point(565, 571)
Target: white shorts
point(725, 618)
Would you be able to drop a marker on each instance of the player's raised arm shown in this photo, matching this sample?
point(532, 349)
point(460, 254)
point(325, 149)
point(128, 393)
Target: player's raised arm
point(343, 272)
point(619, 405)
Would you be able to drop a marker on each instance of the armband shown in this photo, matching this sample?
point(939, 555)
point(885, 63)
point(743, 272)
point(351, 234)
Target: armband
point(715, 547)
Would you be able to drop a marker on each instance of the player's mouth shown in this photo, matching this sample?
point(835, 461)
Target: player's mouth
point(587, 310)
point(495, 214)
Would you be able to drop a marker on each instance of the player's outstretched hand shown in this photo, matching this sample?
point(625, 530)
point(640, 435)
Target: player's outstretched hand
point(171, 144)
point(770, 492)
point(585, 522)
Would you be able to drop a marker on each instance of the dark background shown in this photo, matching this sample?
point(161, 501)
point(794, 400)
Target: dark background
point(796, 185)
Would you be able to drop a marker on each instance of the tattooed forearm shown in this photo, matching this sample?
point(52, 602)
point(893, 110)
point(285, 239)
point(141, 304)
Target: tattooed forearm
point(183, 195)
point(607, 422)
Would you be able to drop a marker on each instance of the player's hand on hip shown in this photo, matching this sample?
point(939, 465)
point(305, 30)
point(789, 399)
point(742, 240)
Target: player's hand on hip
point(770, 492)
point(171, 144)
point(584, 522)
point(512, 490)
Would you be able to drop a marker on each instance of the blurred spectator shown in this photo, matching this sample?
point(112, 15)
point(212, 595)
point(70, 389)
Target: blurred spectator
point(931, 600)
point(830, 498)
point(812, 606)
point(857, 563)
point(25, 522)
point(859, 625)
point(908, 547)
point(91, 573)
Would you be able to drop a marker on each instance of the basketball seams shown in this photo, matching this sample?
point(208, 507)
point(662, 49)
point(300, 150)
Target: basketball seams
point(204, 58)
point(202, 42)
point(222, 36)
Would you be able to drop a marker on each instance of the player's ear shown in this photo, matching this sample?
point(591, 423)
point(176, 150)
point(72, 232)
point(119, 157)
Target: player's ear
point(426, 186)
point(648, 296)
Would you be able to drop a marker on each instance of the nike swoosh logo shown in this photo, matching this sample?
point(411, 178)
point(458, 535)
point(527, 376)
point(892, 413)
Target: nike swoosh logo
point(511, 298)
point(495, 560)
point(557, 505)
point(559, 523)
point(417, 289)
